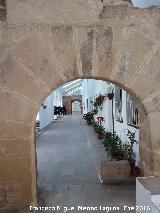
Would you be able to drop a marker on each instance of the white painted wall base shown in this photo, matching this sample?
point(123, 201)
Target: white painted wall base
point(46, 115)
point(148, 194)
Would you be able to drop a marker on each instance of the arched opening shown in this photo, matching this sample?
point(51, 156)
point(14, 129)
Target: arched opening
point(122, 48)
point(122, 112)
point(76, 106)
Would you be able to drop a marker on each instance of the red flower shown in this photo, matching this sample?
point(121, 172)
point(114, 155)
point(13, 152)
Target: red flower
point(100, 118)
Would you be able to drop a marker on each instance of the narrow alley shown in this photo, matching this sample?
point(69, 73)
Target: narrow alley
point(68, 156)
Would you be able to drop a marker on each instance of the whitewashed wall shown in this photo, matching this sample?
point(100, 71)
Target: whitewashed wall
point(121, 128)
point(147, 198)
point(92, 88)
point(57, 98)
point(46, 116)
point(76, 106)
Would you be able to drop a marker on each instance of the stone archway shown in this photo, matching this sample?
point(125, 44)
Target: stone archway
point(68, 100)
point(79, 100)
point(38, 58)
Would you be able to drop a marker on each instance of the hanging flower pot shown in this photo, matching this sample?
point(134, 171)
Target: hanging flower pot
point(110, 96)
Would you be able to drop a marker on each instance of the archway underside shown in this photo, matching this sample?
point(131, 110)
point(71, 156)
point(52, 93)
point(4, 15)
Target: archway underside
point(38, 59)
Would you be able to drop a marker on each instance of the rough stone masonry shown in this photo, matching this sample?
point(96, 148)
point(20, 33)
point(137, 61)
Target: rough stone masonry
point(44, 44)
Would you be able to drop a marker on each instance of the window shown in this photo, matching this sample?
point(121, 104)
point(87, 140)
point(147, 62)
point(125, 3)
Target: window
point(132, 111)
point(87, 105)
point(91, 103)
point(118, 104)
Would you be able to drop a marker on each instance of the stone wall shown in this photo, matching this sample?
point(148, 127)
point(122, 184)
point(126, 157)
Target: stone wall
point(38, 54)
point(3, 11)
point(68, 100)
point(67, 103)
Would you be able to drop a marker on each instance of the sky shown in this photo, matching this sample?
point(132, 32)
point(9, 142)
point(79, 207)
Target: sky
point(145, 3)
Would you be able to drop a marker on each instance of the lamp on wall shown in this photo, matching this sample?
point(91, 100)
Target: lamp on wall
point(44, 106)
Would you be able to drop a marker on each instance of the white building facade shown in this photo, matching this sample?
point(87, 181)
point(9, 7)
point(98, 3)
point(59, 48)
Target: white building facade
point(45, 115)
point(120, 114)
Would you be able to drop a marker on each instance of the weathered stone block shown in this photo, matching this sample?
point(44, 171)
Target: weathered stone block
point(10, 132)
point(112, 171)
point(43, 49)
point(15, 108)
point(2, 196)
point(50, 11)
point(3, 10)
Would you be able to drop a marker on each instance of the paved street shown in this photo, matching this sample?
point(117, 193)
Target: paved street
point(69, 158)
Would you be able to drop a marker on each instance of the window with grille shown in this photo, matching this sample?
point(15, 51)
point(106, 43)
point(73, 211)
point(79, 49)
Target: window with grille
point(132, 111)
point(118, 104)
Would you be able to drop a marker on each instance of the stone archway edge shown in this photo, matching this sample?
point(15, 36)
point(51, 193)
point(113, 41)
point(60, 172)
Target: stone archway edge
point(123, 48)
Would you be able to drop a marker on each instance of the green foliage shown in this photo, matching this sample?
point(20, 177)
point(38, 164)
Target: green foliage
point(94, 123)
point(98, 103)
point(99, 129)
point(88, 116)
point(113, 145)
point(95, 111)
point(128, 147)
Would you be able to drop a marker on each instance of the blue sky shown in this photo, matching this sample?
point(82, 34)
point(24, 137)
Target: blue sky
point(145, 3)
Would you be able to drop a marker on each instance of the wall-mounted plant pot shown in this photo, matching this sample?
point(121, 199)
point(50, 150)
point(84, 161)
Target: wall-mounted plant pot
point(110, 96)
point(44, 107)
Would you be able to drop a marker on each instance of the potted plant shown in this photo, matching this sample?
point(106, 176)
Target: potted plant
point(122, 164)
point(94, 123)
point(135, 170)
point(100, 119)
point(98, 102)
point(95, 111)
point(110, 96)
point(128, 147)
point(88, 117)
point(115, 149)
point(116, 169)
point(99, 131)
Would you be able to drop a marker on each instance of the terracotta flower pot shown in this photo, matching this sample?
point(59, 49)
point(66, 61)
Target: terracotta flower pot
point(135, 170)
point(119, 158)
